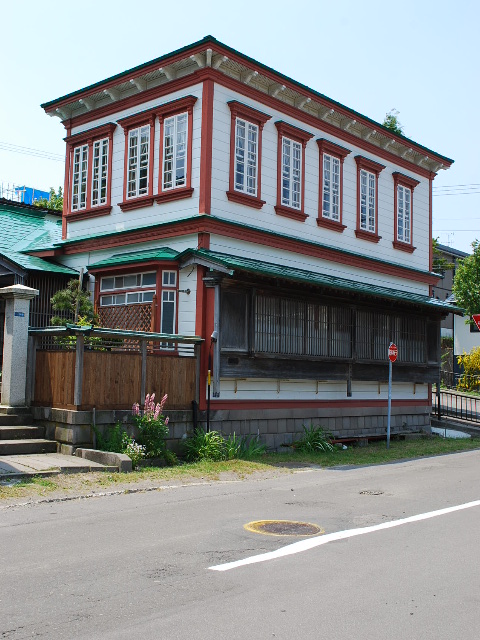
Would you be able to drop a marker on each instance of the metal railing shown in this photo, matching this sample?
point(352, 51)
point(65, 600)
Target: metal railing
point(456, 405)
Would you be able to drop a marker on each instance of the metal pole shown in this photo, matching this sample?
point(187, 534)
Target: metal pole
point(208, 387)
point(389, 402)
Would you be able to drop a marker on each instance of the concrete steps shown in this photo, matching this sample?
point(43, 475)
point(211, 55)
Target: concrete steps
point(24, 432)
point(18, 436)
point(26, 446)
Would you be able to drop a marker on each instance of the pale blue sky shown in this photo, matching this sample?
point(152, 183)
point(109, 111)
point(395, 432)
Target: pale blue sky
point(421, 57)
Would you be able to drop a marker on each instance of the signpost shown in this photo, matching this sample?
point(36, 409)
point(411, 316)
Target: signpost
point(476, 319)
point(392, 356)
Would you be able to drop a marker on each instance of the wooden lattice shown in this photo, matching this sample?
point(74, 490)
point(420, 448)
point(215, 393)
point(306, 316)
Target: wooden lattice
point(134, 317)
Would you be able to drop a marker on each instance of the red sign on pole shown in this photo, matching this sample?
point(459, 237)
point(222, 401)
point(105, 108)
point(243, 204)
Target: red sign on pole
point(476, 319)
point(392, 352)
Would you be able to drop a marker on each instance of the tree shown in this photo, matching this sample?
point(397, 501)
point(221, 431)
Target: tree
point(466, 284)
point(440, 263)
point(73, 303)
point(392, 122)
point(55, 202)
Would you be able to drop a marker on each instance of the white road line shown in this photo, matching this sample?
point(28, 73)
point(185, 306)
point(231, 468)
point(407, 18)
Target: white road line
point(310, 543)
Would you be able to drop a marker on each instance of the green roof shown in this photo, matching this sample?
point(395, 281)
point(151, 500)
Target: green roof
point(20, 226)
point(302, 276)
point(164, 253)
point(239, 225)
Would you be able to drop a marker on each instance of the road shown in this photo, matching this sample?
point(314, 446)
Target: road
point(140, 565)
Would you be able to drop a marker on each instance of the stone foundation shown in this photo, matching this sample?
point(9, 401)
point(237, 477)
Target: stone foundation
point(276, 427)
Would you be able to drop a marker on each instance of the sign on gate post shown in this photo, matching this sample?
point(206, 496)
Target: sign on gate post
point(392, 356)
point(476, 319)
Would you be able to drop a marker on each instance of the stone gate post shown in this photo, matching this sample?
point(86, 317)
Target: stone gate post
point(15, 343)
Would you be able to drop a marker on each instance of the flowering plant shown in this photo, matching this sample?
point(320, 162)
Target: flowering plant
point(152, 426)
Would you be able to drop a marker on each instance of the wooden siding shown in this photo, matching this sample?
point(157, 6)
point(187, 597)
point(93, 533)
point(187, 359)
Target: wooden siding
point(112, 380)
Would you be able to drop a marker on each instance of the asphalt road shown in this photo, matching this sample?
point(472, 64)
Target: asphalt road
point(139, 565)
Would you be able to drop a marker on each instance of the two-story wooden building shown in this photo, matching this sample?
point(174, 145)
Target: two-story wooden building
point(208, 194)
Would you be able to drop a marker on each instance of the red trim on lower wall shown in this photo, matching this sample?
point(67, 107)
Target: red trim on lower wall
point(255, 236)
point(205, 199)
point(246, 405)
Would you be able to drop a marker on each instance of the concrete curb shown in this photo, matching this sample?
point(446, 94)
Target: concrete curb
point(119, 460)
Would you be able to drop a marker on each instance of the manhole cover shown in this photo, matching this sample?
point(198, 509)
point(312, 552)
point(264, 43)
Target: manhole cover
point(369, 492)
point(284, 528)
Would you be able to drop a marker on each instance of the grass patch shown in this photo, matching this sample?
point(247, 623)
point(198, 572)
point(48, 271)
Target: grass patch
point(207, 470)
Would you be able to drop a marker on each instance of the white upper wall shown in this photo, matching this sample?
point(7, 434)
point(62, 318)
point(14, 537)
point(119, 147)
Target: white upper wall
point(309, 230)
point(119, 220)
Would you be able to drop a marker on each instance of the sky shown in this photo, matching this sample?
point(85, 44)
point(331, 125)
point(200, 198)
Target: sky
point(420, 57)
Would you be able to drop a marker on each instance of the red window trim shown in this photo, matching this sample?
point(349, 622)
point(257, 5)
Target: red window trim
point(325, 146)
point(376, 168)
point(165, 111)
point(302, 137)
point(132, 122)
point(409, 183)
point(79, 139)
point(239, 110)
point(144, 267)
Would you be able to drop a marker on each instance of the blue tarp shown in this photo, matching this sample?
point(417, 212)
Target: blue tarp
point(28, 195)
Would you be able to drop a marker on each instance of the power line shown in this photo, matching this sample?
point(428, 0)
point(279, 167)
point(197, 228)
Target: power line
point(28, 151)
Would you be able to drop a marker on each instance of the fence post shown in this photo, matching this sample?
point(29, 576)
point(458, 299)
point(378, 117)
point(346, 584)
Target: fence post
point(77, 395)
point(143, 383)
point(439, 398)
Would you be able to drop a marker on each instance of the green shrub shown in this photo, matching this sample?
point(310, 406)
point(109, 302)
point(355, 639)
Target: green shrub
point(314, 440)
point(214, 446)
point(204, 445)
point(117, 440)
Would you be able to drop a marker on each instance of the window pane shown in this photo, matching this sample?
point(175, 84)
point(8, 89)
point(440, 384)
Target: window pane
point(149, 278)
point(106, 284)
point(175, 137)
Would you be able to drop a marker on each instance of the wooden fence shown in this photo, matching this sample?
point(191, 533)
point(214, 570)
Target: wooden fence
point(82, 379)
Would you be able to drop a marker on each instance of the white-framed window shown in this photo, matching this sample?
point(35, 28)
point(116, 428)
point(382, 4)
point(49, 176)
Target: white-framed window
point(169, 278)
point(291, 173)
point(130, 281)
point(100, 172)
point(175, 138)
point(331, 187)
point(246, 156)
point(138, 161)
point(169, 300)
point(404, 210)
point(367, 200)
point(136, 297)
point(79, 178)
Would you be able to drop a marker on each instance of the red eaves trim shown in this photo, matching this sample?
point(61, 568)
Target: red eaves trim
point(255, 94)
point(255, 236)
point(245, 405)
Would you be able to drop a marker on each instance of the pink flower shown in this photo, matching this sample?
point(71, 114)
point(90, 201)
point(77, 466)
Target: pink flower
point(167, 420)
point(163, 401)
point(136, 409)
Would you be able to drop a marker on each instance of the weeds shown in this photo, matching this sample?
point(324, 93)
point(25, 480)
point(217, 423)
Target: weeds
point(314, 440)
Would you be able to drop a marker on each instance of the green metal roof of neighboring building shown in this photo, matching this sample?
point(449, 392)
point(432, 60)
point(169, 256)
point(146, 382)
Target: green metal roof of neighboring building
point(238, 263)
point(164, 253)
point(20, 226)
